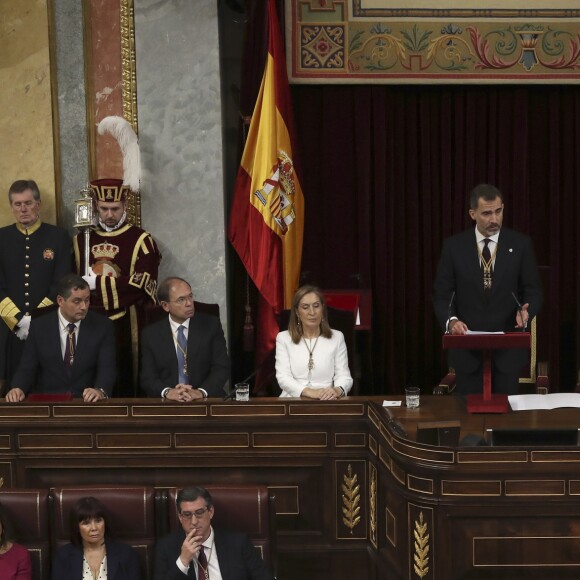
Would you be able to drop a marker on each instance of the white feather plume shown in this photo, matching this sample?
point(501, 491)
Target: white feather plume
point(123, 132)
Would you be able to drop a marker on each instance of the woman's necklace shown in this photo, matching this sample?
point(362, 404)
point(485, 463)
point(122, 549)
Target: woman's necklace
point(310, 349)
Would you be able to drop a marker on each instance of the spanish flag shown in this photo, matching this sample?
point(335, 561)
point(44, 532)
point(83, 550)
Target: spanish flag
point(267, 214)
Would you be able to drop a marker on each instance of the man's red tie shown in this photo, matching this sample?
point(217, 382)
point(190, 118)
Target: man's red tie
point(69, 351)
point(202, 571)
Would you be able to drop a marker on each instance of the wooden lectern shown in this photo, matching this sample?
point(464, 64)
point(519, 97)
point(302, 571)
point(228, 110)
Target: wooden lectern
point(487, 402)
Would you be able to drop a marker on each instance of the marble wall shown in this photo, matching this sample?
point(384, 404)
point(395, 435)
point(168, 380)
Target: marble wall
point(26, 122)
point(179, 108)
point(72, 127)
point(180, 134)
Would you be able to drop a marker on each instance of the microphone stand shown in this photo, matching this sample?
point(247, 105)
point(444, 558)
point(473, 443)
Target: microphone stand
point(520, 310)
point(449, 312)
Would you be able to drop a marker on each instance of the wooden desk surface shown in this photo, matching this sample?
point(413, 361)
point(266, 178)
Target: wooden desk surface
point(350, 487)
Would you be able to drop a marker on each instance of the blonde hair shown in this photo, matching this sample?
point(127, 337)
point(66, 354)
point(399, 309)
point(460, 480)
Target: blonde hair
point(295, 326)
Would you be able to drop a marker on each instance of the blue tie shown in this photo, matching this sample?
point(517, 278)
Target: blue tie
point(182, 356)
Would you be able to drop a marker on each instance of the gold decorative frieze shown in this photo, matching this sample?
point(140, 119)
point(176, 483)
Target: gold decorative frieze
point(425, 41)
point(421, 548)
point(128, 63)
point(373, 477)
point(350, 500)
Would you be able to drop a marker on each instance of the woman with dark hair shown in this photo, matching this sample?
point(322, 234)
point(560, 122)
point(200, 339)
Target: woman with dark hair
point(14, 558)
point(311, 358)
point(92, 554)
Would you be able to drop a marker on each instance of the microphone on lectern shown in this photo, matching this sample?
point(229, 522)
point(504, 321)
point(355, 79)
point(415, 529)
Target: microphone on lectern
point(520, 310)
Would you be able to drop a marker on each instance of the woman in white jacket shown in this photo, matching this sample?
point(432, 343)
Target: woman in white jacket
point(311, 358)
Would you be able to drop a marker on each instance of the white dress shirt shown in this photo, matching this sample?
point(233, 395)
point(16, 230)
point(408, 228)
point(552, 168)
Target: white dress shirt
point(174, 328)
point(63, 325)
point(493, 241)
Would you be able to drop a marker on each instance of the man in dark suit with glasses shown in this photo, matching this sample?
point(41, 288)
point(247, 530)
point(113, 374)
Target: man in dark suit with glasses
point(199, 551)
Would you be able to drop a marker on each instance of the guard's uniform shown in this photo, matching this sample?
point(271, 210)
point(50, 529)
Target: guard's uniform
point(31, 263)
point(126, 262)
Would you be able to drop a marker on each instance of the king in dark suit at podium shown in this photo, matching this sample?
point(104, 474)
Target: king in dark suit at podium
point(482, 275)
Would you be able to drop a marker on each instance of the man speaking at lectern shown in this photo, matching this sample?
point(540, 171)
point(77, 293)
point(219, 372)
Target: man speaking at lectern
point(487, 280)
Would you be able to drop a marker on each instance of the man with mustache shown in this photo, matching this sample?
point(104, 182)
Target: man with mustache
point(123, 266)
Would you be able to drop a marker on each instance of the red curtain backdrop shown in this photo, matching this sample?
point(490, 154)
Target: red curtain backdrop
point(387, 171)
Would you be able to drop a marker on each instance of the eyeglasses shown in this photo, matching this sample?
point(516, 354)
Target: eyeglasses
point(197, 513)
point(183, 300)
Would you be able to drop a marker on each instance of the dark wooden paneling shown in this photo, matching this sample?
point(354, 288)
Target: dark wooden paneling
point(352, 489)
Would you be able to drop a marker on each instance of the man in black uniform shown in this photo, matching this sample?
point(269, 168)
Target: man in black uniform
point(33, 257)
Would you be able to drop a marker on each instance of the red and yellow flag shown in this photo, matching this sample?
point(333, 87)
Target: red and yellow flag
point(267, 215)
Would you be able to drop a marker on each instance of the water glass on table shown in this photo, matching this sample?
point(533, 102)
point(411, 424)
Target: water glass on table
point(412, 397)
point(242, 392)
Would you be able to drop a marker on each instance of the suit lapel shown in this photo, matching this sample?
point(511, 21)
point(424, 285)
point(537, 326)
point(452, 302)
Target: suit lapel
point(222, 555)
point(167, 342)
point(471, 259)
point(83, 341)
point(53, 332)
point(193, 339)
point(502, 259)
